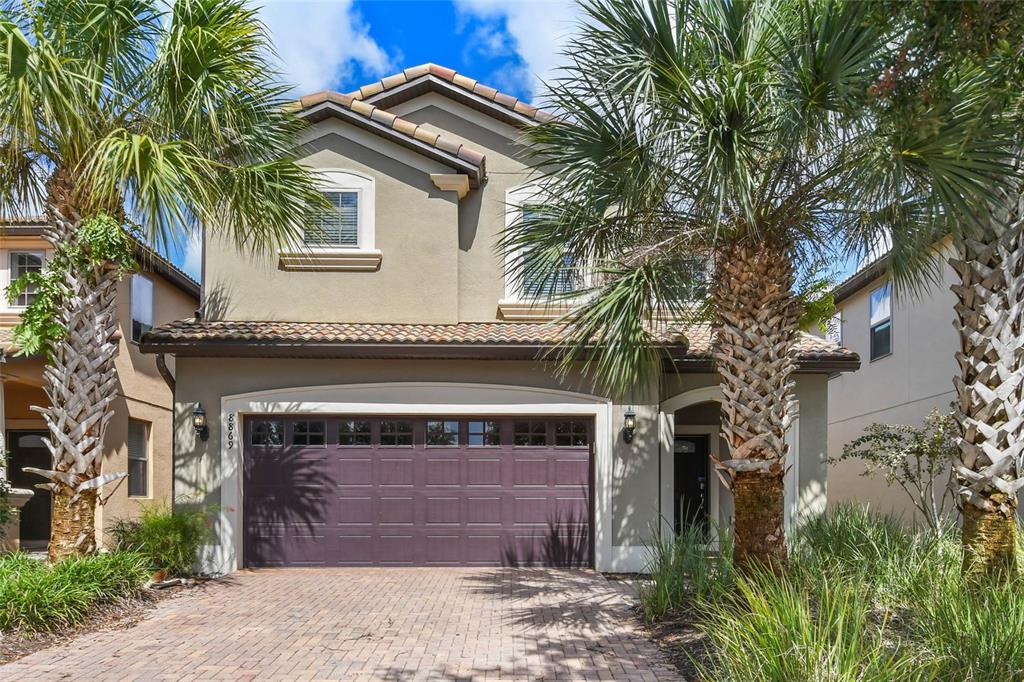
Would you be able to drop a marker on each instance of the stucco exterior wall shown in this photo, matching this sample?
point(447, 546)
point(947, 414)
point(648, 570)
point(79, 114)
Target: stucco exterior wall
point(416, 229)
point(901, 388)
point(142, 395)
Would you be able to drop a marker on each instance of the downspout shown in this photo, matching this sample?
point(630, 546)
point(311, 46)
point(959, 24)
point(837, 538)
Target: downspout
point(165, 372)
point(168, 377)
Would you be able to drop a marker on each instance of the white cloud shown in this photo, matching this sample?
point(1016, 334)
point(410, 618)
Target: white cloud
point(320, 41)
point(193, 263)
point(538, 29)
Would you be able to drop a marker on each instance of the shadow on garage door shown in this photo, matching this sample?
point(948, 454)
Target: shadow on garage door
point(417, 491)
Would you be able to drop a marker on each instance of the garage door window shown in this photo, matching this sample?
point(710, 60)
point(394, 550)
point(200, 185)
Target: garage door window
point(571, 433)
point(484, 433)
point(396, 433)
point(354, 433)
point(308, 433)
point(530, 433)
point(268, 432)
point(443, 433)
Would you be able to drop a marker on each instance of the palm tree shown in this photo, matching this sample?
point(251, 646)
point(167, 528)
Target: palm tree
point(746, 133)
point(945, 43)
point(132, 112)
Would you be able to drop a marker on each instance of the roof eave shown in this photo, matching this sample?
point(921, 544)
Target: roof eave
point(860, 279)
point(324, 110)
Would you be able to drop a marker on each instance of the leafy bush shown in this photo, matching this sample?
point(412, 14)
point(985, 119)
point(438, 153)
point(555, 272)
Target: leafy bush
point(169, 539)
point(915, 459)
point(770, 629)
point(683, 572)
point(37, 596)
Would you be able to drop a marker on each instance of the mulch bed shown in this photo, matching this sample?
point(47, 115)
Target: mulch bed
point(117, 615)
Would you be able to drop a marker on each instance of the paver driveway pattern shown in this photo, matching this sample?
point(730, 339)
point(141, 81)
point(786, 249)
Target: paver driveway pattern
point(372, 624)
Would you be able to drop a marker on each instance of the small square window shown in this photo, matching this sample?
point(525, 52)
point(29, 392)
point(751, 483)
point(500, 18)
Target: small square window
point(484, 433)
point(354, 432)
point(443, 433)
point(398, 433)
point(308, 433)
point(571, 433)
point(336, 226)
point(530, 433)
point(268, 432)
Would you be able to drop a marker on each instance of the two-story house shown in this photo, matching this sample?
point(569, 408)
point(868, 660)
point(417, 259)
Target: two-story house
point(138, 438)
point(908, 346)
point(378, 395)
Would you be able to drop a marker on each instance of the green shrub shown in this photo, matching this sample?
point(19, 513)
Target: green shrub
point(683, 572)
point(771, 629)
point(37, 596)
point(169, 539)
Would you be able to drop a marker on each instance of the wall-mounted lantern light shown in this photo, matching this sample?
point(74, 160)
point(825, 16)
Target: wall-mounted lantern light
point(628, 425)
point(199, 422)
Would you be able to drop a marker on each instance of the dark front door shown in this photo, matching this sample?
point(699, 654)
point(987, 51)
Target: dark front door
point(27, 450)
point(417, 491)
point(691, 482)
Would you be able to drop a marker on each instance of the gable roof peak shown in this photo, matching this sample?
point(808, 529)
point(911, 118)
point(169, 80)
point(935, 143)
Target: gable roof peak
point(515, 109)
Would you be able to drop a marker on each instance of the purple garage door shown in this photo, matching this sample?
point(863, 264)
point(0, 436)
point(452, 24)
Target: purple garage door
point(417, 491)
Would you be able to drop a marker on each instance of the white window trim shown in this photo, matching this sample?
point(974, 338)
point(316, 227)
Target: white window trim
point(514, 306)
point(363, 257)
point(5, 254)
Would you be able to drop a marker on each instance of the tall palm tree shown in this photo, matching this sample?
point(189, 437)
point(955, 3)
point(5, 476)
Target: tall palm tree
point(161, 116)
point(944, 43)
point(745, 133)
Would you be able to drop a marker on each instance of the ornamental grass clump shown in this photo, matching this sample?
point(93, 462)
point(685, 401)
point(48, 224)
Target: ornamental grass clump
point(38, 596)
point(682, 572)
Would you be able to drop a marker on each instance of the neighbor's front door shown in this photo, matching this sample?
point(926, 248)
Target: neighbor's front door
point(27, 450)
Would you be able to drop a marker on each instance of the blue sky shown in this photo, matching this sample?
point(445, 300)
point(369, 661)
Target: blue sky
point(342, 44)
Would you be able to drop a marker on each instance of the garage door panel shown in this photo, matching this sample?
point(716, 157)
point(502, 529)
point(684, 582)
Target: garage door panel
point(353, 499)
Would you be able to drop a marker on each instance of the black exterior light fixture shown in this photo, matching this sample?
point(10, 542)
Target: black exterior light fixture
point(628, 425)
point(199, 422)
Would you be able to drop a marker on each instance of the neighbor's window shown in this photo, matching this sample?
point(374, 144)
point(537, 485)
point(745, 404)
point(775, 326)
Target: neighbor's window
point(268, 432)
point(441, 432)
point(881, 321)
point(337, 225)
point(482, 433)
point(397, 433)
point(138, 458)
point(142, 306)
point(23, 263)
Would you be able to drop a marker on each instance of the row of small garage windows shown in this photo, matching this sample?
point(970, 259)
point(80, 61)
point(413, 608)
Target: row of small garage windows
point(438, 433)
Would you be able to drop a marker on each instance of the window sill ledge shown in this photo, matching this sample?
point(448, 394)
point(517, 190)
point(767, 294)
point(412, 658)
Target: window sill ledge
point(532, 311)
point(346, 260)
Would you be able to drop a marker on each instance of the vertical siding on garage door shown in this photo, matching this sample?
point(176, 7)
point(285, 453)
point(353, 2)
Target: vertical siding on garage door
point(417, 491)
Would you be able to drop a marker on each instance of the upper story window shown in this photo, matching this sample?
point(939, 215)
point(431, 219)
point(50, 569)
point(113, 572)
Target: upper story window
point(880, 320)
point(142, 306)
point(22, 263)
point(530, 274)
point(349, 222)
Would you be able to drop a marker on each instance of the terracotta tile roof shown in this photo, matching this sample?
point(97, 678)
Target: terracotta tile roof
point(460, 81)
point(380, 120)
point(179, 336)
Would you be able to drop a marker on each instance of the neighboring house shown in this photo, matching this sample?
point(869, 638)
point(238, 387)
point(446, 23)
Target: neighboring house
point(374, 396)
point(138, 438)
point(907, 345)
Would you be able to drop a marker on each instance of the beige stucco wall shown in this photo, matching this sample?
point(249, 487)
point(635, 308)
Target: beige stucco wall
point(635, 467)
point(901, 388)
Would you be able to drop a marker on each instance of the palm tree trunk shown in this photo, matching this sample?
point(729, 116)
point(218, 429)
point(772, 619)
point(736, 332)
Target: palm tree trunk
point(990, 390)
point(755, 333)
point(80, 383)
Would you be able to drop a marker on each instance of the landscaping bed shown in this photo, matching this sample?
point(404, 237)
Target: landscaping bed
point(863, 599)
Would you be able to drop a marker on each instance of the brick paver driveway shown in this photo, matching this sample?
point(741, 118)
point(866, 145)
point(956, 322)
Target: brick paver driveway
point(367, 623)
